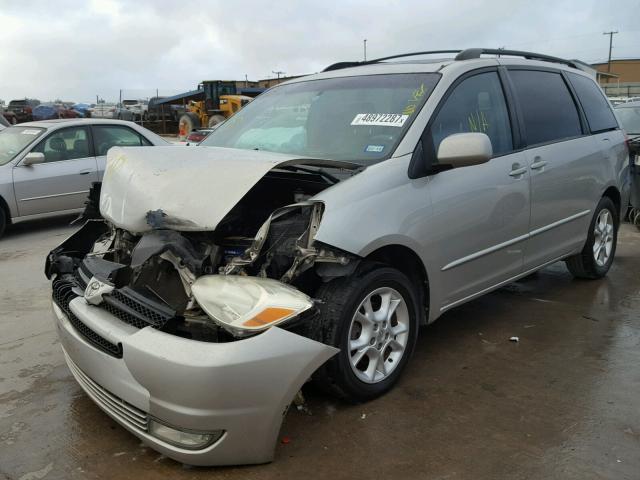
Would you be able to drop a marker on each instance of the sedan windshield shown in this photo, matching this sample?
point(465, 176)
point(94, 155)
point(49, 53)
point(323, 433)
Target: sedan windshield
point(630, 118)
point(359, 119)
point(13, 140)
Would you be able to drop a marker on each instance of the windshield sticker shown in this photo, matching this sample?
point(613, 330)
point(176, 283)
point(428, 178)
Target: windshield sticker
point(412, 103)
point(30, 132)
point(380, 119)
point(374, 148)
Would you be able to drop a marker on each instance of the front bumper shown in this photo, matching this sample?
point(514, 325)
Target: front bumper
point(242, 387)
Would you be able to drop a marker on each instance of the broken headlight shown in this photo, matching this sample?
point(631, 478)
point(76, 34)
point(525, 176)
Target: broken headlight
point(244, 305)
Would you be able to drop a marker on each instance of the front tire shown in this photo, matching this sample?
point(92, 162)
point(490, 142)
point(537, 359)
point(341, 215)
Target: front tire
point(3, 222)
point(600, 248)
point(372, 317)
point(215, 120)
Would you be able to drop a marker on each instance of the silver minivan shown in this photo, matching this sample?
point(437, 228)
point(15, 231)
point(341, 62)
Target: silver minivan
point(318, 228)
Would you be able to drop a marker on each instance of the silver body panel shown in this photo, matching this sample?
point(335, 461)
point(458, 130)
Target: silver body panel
point(138, 180)
point(242, 387)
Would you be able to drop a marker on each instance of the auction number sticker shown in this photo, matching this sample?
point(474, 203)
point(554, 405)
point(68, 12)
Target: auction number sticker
point(380, 119)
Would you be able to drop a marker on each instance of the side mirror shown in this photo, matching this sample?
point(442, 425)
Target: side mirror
point(32, 158)
point(465, 149)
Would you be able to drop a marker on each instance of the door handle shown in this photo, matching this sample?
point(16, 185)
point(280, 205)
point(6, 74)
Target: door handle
point(538, 163)
point(517, 170)
point(85, 172)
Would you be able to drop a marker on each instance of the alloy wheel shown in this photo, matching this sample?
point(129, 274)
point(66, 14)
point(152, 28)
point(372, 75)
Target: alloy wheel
point(378, 335)
point(603, 237)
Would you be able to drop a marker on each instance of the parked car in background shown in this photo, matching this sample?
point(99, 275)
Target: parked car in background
point(49, 166)
point(197, 136)
point(313, 232)
point(49, 111)
point(23, 109)
point(132, 110)
point(103, 110)
point(83, 109)
point(629, 115)
point(3, 123)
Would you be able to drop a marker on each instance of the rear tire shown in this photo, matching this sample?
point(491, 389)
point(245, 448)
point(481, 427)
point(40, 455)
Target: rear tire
point(600, 248)
point(188, 122)
point(372, 317)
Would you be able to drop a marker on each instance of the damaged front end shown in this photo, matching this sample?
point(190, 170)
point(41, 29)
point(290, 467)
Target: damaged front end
point(154, 264)
point(142, 283)
point(201, 285)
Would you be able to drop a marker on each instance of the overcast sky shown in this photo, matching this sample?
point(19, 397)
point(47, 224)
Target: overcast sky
point(75, 50)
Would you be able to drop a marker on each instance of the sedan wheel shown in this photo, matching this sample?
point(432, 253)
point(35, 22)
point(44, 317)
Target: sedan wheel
point(3, 221)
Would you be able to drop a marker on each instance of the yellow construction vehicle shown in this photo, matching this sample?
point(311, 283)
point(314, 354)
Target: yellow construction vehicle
point(219, 103)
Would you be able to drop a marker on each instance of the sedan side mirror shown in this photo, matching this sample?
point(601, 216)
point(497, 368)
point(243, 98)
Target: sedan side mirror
point(32, 158)
point(465, 149)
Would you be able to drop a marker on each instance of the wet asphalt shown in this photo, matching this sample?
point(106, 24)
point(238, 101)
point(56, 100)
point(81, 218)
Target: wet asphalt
point(562, 403)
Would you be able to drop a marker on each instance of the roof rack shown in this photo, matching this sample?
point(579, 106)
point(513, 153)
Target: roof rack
point(468, 54)
point(339, 65)
point(471, 53)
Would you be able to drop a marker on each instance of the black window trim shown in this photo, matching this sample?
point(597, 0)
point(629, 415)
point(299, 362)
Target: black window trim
point(47, 135)
point(423, 161)
point(151, 144)
point(577, 97)
point(581, 116)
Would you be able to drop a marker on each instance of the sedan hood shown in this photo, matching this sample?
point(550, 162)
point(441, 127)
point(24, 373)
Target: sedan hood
point(185, 189)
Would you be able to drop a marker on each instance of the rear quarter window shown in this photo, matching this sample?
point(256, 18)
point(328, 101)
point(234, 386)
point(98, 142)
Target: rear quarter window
point(548, 109)
point(596, 107)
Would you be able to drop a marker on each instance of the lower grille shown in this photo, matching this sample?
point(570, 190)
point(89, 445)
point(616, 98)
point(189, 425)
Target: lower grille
point(134, 309)
point(122, 410)
point(62, 295)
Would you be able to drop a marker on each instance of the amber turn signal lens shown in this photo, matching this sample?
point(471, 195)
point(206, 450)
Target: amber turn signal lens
point(267, 316)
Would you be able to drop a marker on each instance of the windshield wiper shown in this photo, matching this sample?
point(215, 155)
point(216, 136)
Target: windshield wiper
point(319, 171)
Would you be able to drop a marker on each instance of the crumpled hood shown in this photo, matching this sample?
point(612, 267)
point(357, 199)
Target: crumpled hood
point(185, 189)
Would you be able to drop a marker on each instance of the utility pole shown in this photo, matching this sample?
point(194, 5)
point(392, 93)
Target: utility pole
point(365, 49)
point(611, 34)
point(278, 73)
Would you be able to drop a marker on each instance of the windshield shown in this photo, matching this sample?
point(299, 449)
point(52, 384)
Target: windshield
point(13, 140)
point(630, 118)
point(359, 119)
